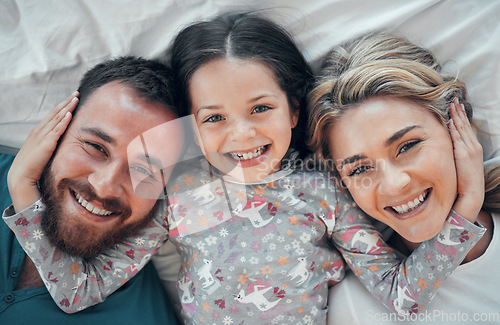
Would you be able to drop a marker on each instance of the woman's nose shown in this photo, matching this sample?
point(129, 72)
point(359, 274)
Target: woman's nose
point(394, 180)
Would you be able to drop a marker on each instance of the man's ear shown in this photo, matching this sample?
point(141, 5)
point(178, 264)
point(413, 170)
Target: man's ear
point(197, 137)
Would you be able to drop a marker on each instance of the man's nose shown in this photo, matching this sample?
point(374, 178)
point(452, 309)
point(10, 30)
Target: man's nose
point(109, 180)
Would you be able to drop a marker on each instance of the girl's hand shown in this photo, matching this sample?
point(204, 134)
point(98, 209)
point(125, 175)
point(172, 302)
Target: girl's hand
point(35, 153)
point(468, 162)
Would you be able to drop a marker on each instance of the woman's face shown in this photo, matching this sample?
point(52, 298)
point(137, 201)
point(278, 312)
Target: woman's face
point(243, 117)
point(396, 159)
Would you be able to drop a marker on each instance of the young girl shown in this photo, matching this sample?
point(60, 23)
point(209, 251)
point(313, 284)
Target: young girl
point(254, 226)
point(385, 101)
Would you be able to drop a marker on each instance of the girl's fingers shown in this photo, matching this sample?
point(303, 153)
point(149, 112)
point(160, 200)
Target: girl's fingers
point(462, 125)
point(59, 129)
point(464, 139)
point(60, 107)
point(68, 108)
point(47, 125)
point(455, 135)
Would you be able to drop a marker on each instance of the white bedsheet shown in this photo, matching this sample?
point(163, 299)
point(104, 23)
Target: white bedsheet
point(46, 46)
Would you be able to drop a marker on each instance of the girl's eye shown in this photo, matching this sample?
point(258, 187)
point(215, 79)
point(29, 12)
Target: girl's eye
point(96, 147)
point(261, 109)
point(407, 146)
point(359, 170)
point(213, 118)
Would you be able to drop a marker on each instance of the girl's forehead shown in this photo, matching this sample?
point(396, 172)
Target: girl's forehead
point(245, 74)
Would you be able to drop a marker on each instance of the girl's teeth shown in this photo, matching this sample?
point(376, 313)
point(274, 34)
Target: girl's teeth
point(90, 207)
point(248, 155)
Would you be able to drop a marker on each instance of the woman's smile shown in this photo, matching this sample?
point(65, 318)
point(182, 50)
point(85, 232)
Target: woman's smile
point(396, 159)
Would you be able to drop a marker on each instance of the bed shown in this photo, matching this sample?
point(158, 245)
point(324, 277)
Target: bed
point(48, 45)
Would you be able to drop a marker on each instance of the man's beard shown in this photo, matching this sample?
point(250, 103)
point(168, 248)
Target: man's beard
point(77, 238)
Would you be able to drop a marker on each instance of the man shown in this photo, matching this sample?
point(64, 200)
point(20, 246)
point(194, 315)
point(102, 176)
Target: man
point(100, 186)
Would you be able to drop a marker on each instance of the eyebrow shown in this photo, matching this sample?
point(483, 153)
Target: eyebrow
point(251, 100)
point(100, 134)
point(256, 98)
point(147, 158)
point(207, 107)
point(153, 161)
point(398, 135)
point(352, 159)
point(150, 160)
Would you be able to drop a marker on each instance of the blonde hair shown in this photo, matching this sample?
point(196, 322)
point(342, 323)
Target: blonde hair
point(492, 189)
point(378, 65)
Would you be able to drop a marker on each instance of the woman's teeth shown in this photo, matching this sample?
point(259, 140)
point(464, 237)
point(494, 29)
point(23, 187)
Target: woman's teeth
point(248, 155)
point(411, 205)
point(90, 207)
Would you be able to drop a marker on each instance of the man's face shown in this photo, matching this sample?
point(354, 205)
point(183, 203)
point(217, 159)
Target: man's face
point(109, 169)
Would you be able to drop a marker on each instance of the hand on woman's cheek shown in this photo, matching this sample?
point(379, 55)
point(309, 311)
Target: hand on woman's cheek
point(396, 159)
point(468, 155)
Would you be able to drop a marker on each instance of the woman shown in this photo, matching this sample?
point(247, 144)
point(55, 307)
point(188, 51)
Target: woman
point(380, 115)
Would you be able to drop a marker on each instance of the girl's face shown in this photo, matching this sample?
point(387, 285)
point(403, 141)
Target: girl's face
point(243, 117)
point(396, 159)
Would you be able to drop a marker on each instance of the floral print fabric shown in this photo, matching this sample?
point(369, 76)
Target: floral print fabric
point(264, 253)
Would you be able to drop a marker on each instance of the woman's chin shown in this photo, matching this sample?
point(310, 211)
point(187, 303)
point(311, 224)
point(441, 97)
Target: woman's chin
point(416, 238)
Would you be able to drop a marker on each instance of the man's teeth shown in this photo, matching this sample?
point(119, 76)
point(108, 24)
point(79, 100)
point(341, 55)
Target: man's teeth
point(248, 155)
point(411, 205)
point(90, 207)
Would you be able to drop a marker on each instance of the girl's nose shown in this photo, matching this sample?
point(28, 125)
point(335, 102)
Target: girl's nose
point(242, 130)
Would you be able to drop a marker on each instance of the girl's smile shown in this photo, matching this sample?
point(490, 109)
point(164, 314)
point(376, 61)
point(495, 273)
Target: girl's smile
point(249, 158)
point(243, 117)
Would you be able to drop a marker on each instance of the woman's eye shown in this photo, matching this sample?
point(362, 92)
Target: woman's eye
point(261, 109)
point(214, 118)
point(407, 146)
point(360, 170)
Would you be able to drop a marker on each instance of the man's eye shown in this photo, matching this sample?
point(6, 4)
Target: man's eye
point(143, 171)
point(408, 145)
point(96, 147)
point(261, 109)
point(359, 170)
point(214, 118)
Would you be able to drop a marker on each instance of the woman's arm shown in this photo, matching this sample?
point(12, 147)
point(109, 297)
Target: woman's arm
point(407, 285)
